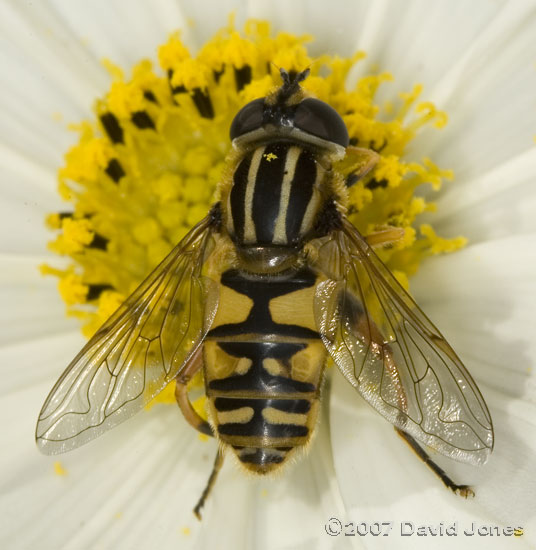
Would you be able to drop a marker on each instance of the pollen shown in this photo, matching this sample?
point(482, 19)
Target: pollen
point(72, 289)
point(145, 168)
point(59, 470)
point(74, 237)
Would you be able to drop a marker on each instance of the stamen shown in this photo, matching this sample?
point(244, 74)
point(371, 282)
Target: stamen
point(242, 77)
point(374, 184)
point(115, 170)
point(99, 242)
point(149, 96)
point(112, 127)
point(142, 120)
point(203, 103)
point(94, 291)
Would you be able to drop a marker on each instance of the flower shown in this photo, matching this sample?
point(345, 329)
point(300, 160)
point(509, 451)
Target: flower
point(135, 486)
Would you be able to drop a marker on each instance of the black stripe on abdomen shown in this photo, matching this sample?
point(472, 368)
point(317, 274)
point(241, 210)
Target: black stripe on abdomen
point(257, 379)
point(294, 406)
point(260, 456)
point(258, 426)
point(262, 291)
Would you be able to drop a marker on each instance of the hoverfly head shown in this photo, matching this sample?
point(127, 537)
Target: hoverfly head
point(289, 114)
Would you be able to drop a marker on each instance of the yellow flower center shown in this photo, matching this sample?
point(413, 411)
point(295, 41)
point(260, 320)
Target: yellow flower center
point(145, 170)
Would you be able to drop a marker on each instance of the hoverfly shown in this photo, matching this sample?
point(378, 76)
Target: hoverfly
point(258, 295)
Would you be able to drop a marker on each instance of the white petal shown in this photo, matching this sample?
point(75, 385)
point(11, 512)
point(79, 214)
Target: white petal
point(49, 72)
point(39, 359)
point(27, 197)
point(483, 298)
point(419, 41)
point(382, 480)
point(31, 308)
point(122, 32)
point(333, 30)
point(488, 95)
point(498, 203)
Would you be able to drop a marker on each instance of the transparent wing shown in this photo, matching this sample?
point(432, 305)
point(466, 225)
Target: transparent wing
point(393, 355)
point(137, 352)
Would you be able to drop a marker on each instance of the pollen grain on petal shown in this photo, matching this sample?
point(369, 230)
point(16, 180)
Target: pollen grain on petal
point(59, 470)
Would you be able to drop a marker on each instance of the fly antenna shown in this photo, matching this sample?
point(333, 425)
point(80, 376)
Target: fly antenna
point(290, 86)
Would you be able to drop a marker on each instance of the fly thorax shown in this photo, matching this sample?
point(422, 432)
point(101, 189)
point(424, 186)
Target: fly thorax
point(275, 197)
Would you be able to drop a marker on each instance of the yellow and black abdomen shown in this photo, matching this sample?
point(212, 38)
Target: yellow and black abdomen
point(264, 363)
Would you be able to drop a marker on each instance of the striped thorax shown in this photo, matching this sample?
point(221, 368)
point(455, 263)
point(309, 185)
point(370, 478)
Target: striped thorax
point(276, 194)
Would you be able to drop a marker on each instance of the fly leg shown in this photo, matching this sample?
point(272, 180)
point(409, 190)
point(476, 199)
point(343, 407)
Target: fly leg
point(372, 336)
point(210, 483)
point(462, 490)
point(199, 423)
point(357, 163)
point(385, 237)
point(181, 393)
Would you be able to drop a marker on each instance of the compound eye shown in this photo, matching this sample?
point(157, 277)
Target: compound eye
point(249, 118)
point(321, 120)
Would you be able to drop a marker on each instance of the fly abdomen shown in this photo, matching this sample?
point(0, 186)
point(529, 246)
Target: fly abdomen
point(265, 369)
point(264, 362)
point(263, 405)
point(261, 459)
point(262, 417)
point(262, 431)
